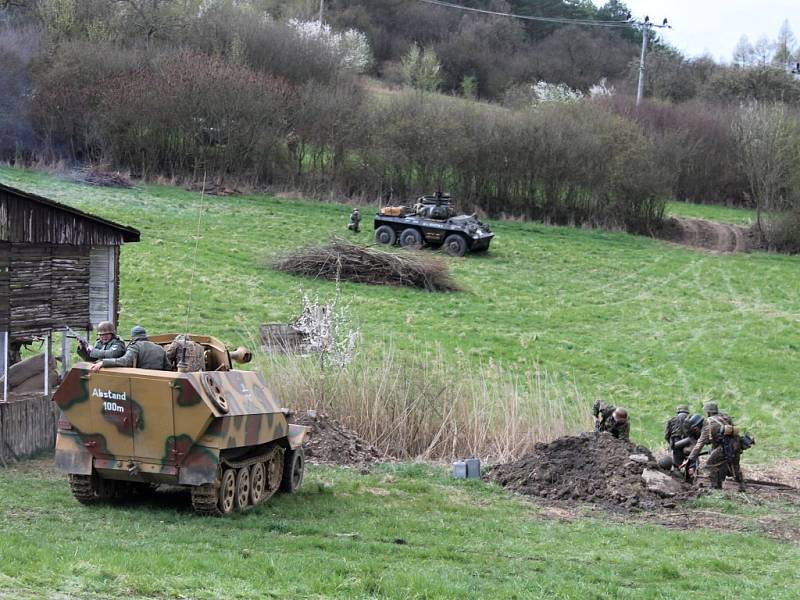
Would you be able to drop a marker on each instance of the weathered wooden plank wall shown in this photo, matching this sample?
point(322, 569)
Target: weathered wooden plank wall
point(5, 261)
point(27, 426)
point(26, 221)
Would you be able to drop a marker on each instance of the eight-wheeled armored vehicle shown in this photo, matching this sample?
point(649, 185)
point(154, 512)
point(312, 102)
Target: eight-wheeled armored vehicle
point(432, 221)
point(217, 431)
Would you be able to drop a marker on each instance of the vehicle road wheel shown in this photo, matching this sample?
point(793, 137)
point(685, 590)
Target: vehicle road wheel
point(410, 238)
point(293, 470)
point(455, 245)
point(258, 480)
point(242, 488)
point(227, 492)
point(385, 235)
point(275, 472)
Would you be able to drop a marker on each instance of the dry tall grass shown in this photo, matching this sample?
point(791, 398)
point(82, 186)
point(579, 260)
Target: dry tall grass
point(431, 407)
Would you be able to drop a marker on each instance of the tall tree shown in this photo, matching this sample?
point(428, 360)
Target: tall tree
point(743, 52)
point(785, 46)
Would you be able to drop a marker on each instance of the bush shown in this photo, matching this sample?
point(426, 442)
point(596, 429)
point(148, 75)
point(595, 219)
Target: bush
point(188, 113)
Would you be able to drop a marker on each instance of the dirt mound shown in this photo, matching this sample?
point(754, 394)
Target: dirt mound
point(332, 443)
point(594, 468)
point(709, 235)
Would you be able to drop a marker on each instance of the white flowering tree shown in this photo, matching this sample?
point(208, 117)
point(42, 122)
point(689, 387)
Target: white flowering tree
point(327, 330)
point(542, 92)
point(350, 47)
point(601, 88)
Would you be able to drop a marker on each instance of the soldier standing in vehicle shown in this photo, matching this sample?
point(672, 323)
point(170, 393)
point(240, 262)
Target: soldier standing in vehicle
point(613, 419)
point(355, 221)
point(108, 344)
point(674, 433)
point(726, 447)
point(140, 353)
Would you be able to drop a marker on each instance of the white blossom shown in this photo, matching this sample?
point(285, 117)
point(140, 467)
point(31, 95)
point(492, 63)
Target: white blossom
point(350, 47)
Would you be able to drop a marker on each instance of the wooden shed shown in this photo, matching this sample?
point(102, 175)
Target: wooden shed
point(59, 267)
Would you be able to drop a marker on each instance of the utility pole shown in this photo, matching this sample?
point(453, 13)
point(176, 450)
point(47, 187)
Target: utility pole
point(321, 4)
point(646, 26)
point(640, 86)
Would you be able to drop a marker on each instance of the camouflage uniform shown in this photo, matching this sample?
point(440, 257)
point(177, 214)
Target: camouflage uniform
point(192, 353)
point(674, 432)
point(718, 465)
point(141, 353)
point(604, 416)
point(355, 220)
point(113, 348)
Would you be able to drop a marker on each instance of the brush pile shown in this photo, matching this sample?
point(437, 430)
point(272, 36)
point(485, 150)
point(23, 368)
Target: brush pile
point(101, 177)
point(344, 261)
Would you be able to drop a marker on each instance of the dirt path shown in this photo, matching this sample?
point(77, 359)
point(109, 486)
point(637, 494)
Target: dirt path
point(708, 235)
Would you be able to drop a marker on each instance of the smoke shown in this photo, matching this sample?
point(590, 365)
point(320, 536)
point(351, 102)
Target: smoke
point(18, 47)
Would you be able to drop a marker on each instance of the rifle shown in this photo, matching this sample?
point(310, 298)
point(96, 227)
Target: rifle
point(82, 341)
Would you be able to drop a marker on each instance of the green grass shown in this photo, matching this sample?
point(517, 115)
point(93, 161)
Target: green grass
point(711, 212)
point(405, 531)
point(636, 321)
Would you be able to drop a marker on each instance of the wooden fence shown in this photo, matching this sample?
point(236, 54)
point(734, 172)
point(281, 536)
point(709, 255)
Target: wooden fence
point(27, 426)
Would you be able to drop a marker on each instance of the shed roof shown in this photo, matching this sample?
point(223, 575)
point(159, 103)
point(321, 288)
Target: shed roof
point(127, 234)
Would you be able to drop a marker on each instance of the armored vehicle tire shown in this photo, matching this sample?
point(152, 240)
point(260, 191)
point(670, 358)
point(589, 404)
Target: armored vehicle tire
point(242, 496)
point(455, 245)
point(293, 470)
point(258, 481)
point(410, 238)
point(227, 492)
point(385, 235)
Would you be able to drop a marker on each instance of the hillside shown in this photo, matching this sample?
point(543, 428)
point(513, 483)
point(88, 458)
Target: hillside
point(638, 322)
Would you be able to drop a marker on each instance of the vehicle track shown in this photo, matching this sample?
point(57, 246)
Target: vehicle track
point(707, 235)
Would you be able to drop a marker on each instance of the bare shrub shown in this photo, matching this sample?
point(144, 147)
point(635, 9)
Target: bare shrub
point(345, 261)
point(190, 113)
point(432, 406)
point(769, 155)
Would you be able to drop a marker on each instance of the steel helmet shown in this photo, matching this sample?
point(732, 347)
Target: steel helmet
point(106, 327)
point(620, 415)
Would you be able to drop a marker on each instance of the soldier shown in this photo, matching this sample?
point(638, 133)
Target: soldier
point(186, 355)
point(613, 419)
point(674, 432)
point(692, 428)
point(726, 447)
point(140, 353)
point(108, 344)
point(355, 220)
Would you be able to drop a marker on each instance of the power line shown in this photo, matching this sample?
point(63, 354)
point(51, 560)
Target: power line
point(557, 20)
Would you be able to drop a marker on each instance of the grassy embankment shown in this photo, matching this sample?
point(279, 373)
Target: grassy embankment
point(635, 320)
point(607, 315)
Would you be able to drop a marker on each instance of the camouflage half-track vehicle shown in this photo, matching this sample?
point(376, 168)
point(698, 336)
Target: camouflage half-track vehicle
point(218, 432)
point(432, 221)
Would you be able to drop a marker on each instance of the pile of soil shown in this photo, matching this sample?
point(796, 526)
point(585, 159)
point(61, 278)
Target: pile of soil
point(332, 443)
point(593, 468)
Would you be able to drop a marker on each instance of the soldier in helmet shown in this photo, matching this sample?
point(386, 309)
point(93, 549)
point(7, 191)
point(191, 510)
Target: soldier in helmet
point(673, 433)
point(726, 447)
point(613, 419)
point(108, 344)
point(355, 221)
point(140, 353)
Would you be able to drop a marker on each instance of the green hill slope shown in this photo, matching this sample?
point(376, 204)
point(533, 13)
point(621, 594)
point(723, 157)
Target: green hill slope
point(631, 320)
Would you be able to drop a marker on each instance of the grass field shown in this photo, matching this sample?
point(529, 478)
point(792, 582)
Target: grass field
point(711, 212)
point(635, 321)
point(404, 531)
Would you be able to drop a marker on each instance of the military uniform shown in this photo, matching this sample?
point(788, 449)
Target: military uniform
point(726, 449)
point(604, 417)
point(142, 354)
point(113, 348)
point(186, 350)
point(355, 221)
point(674, 432)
